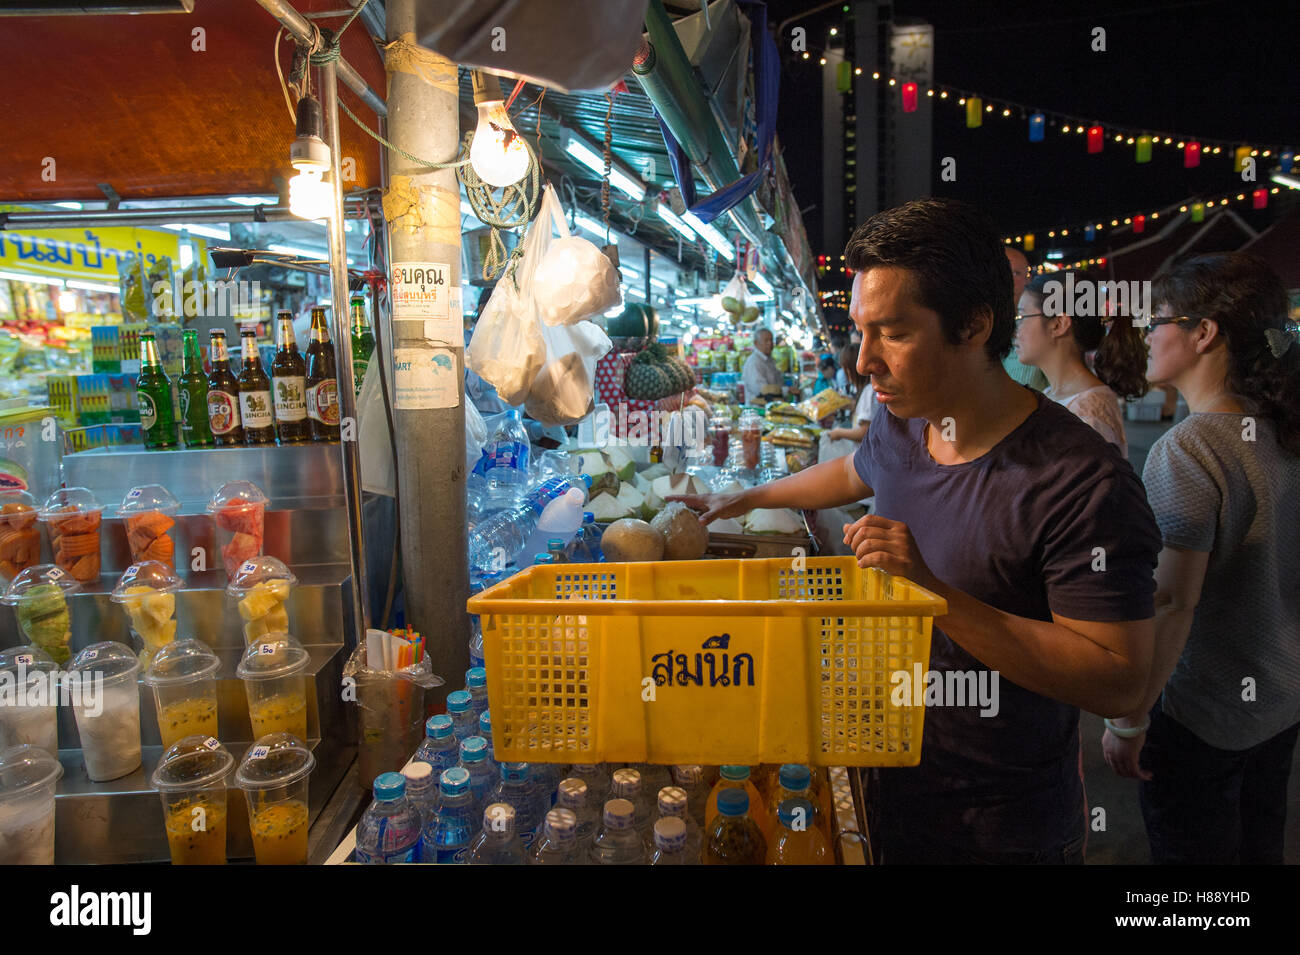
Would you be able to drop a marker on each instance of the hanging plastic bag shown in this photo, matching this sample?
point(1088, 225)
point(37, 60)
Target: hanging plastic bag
point(574, 279)
point(737, 300)
point(374, 442)
point(475, 435)
point(564, 391)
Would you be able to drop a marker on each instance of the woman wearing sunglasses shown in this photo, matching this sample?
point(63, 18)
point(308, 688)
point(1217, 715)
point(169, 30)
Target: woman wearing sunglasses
point(1055, 342)
point(1212, 745)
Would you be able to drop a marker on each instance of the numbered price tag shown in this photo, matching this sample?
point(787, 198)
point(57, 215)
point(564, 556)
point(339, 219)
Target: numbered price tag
point(24, 659)
point(134, 492)
point(248, 567)
point(211, 744)
point(55, 573)
point(89, 654)
point(266, 649)
point(259, 752)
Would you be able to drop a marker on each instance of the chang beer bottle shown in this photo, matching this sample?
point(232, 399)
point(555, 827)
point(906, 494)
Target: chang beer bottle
point(255, 405)
point(363, 341)
point(322, 386)
point(192, 389)
point(289, 384)
point(154, 393)
point(223, 394)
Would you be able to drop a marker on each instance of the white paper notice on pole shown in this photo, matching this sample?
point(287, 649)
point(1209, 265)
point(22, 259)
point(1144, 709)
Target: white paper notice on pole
point(425, 378)
point(423, 292)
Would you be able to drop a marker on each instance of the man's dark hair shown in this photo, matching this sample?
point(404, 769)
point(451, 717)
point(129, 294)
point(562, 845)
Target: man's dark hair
point(956, 259)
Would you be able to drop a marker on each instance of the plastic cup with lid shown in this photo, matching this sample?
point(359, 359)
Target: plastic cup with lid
point(183, 677)
point(274, 675)
point(39, 596)
point(28, 776)
point(148, 511)
point(105, 695)
point(273, 775)
point(238, 508)
point(30, 716)
point(260, 589)
point(21, 536)
point(73, 516)
point(191, 779)
point(147, 593)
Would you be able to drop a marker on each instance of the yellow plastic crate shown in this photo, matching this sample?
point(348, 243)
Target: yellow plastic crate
point(707, 661)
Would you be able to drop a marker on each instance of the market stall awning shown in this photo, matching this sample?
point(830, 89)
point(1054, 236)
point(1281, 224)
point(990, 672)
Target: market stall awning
point(132, 102)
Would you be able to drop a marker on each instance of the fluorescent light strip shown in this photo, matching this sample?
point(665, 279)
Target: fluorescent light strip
point(251, 200)
point(24, 277)
point(211, 232)
point(658, 283)
point(68, 205)
point(711, 235)
point(592, 159)
point(1282, 179)
point(91, 286)
point(300, 253)
point(761, 281)
point(675, 221)
point(590, 224)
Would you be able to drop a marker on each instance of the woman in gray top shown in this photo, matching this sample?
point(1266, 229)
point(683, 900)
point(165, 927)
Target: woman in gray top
point(1213, 744)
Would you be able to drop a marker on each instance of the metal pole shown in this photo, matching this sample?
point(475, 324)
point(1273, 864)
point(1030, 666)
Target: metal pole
point(343, 356)
point(424, 120)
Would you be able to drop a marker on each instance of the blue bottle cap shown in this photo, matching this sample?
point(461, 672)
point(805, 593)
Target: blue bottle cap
point(390, 786)
point(588, 517)
point(586, 479)
point(458, 701)
point(515, 772)
point(789, 808)
point(473, 749)
point(454, 781)
point(543, 558)
point(727, 772)
point(476, 676)
point(438, 727)
point(795, 778)
point(733, 802)
point(485, 723)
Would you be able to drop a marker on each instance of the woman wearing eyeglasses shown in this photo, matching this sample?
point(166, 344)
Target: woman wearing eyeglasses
point(1054, 340)
point(1213, 742)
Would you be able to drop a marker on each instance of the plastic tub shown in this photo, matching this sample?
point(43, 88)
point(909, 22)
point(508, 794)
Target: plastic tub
point(106, 702)
point(73, 516)
point(239, 510)
point(32, 715)
point(261, 588)
point(28, 776)
point(183, 676)
point(148, 512)
point(191, 779)
point(273, 674)
point(20, 538)
point(147, 592)
point(273, 775)
point(39, 598)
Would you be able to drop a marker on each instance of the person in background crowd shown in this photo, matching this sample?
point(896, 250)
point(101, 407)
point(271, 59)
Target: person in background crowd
point(866, 404)
point(1056, 342)
point(996, 499)
point(1020, 273)
point(1212, 742)
point(826, 368)
point(763, 380)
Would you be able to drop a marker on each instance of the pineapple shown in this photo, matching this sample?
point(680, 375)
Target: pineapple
point(259, 601)
point(254, 630)
point(278, 587)
point(277, 621)
point(160, 607)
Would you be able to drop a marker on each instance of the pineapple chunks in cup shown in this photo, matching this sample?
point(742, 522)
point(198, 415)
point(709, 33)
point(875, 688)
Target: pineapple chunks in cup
point(147, 593)
point(261, 589)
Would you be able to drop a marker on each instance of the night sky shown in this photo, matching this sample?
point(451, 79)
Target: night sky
point(1216, 69)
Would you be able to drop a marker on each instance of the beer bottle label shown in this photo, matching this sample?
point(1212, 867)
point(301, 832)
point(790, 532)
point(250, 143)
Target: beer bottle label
point(148, 410)
point(223, 412)
point(323, 401)
point(291, 398)
point(255, 409)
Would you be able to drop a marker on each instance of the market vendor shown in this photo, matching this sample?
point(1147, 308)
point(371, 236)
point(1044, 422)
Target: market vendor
point(1032, 527)
point(762, 379)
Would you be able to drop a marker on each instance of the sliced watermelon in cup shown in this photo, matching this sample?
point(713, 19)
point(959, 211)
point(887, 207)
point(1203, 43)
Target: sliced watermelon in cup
point(239, 510)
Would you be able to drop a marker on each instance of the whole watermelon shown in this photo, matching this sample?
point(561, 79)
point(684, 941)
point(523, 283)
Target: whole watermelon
point(636, 321)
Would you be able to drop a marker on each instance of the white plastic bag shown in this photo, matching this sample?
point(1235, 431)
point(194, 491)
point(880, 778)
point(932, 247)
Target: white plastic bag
point(564, 391)
point(378, 470)
point(475, 435)
point(574, 280)
point(737, 300)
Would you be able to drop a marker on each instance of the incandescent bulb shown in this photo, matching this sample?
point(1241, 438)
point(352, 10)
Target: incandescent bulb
point(498, 153)
point(309, 195)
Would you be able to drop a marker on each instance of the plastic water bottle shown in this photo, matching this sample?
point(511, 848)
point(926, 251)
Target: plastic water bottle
point(690, 779)
point(421, 790)
point(573, 796)
point(670, 844)
point(591, 532)
point(473, 759)
point(460, 707)
point(498, 843)
point(627, 785)
point(617, 842)
point(485, 730)
point(597, 778)
point(476, 686)
point(556, 548)
point(447, 840)
point(439, 747)
point(501, 537)
point(653, 777)
point(672, 804)
point(476, 658)
point(560, 519)
point(389, 830)
point(515, 789)
point(505, 461)
point(559, 844)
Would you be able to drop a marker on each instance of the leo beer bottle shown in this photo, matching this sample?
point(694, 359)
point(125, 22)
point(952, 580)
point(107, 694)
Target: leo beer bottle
point(154, 395)
point(223, 394)
point(192, 389)
point(255, 404)
point(322, 386)
point(289, 384)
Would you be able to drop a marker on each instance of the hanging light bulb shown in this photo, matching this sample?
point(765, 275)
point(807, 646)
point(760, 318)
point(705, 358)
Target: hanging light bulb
point(310, 197)
point(498, 153)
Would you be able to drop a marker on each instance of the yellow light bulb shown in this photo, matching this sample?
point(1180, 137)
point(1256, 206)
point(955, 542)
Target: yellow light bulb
point(498, 153)
point(310, 197)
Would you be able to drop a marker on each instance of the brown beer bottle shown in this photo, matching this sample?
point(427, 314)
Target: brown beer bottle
point(289, 384)
point(255, 405)
point(322, 386)
point(223, 394)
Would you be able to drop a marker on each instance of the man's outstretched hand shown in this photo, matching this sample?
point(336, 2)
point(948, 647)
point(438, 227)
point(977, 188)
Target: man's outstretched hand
point(714, 507)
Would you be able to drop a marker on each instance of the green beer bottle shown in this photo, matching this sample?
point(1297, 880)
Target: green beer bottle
point(153, 391)
point(363, 341)
point(192, 390)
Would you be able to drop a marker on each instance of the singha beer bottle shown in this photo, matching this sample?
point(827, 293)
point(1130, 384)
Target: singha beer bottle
point(154, 394)
point(322, 387)
point(289, 384)
point(255, 406)
point(363, 342)
point(223, 394)
point(192, 389)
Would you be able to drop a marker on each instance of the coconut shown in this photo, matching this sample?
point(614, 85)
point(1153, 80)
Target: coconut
point(662, 488)
point(654, 471)
point(728, 525)
point(773, 521)
point(597, 466)
point(630, 539)
point(607, 507)
point(685, 538)
point(640, 483)
point(622, 464)
point(632, 499)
